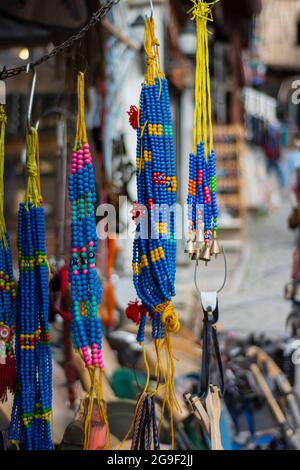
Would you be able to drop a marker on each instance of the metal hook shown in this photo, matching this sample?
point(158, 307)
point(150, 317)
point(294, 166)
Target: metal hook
point(32, 91)
point(225, 274)
point(152, 8)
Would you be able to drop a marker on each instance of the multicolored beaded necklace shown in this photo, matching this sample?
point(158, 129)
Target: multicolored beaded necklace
point(202, 199)
point(85, 285)
point(7, 288)
point(32, 408)
point(154, 248)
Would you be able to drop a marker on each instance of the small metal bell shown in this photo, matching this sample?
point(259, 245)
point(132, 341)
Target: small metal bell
point(205, 254)
point(189, 247)
point(215, 248)
point(199, 245)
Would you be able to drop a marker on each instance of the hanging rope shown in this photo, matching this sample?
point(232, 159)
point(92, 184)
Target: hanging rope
point(33, 189)
point(3, 120)
point(81, 135)
point(203, 129)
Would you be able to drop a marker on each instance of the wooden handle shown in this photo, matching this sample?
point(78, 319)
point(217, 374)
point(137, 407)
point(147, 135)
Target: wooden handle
point(273, 370)
point(275, 408)
point(213, 406)
point(201, 414)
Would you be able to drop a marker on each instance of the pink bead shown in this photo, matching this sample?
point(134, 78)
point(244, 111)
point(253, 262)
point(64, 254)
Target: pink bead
point(85, 271)
point(74, 250)
point(80, 167)
point(80, 152)
point(73, 171)
point(74, 155)
point(86, 146)
point(91, 243)
point(88, 161)
point(83, 248)
point(92, 265)
point(75, 272)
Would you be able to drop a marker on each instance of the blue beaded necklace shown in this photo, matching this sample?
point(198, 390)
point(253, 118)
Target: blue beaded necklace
point(154, 247)
point(202, 199)
point(7, 288)
point(32, 408)
point(85, 285)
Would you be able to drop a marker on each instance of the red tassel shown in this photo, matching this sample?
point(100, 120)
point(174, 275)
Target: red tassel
point(143, 310)
point(133, 116)
point(8, 377)
point(133, 312)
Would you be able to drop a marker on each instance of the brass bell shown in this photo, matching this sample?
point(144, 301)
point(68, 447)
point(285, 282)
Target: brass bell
point(192, 249)
point(189, 247)
point(199, 245)
point(215, 248)
point(199, 250)
point(205, 254)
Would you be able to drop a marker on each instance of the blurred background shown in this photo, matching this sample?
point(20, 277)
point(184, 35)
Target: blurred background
point(255, 73)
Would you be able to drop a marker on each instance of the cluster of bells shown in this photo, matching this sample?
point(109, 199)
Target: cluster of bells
point(198, 249)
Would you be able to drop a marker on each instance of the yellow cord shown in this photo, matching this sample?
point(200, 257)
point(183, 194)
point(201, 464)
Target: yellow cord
point(95, 392)
point(3, 121)
point(151, 45)
point(81, 135)
point(203, 129)
point(171, 324)
point(33, 190)
point(141, 397)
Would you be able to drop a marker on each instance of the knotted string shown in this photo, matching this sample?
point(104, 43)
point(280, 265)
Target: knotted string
point(171, 324)
point(33, 190)
point(203, 130)
point(3, 121)
point(95, 393)
point(152, 53)
point(81, 134)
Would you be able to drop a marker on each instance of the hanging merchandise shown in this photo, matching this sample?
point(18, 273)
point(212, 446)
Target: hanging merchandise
point(154, 248)
point(59, 298)
point(202, 197)
point(32, 408)
point(107, 307)
point(85, 285)
point(7, 287)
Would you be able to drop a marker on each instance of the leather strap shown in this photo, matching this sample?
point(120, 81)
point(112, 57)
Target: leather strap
point(210, 338)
